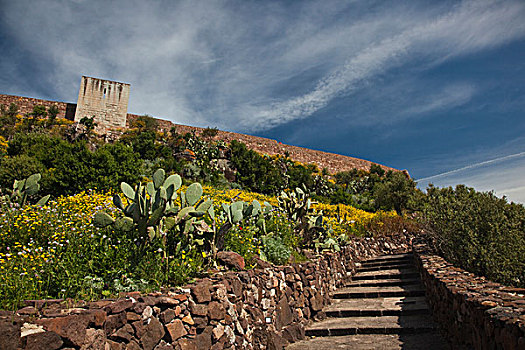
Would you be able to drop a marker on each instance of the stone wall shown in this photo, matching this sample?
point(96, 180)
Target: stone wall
point(263, 308)
point(26, 104)
point(104, 99)
point(474, 312)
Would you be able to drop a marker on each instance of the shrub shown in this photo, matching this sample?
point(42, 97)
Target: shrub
point(274, 250)
point(255, 172)
point(479, 232)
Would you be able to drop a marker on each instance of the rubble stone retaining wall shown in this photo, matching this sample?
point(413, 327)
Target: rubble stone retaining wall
point(263, 308)
point(474, 312)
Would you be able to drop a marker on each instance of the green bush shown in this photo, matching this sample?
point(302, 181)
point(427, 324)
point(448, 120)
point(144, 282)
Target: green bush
point(68, 168)
point(255, 172)
point(478, 231)
point(275, 251)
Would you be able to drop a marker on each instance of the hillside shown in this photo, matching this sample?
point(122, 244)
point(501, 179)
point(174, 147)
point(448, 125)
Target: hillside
point(333, 162)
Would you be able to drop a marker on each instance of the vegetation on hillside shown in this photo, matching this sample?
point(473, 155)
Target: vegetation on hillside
point(115, 222)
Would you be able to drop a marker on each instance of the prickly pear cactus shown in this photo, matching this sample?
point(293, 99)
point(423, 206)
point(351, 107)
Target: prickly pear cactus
point(298, 207)
point(23, 189)
point(152, 210)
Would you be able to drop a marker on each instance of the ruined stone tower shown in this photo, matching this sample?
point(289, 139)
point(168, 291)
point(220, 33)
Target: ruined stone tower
point(104, 99)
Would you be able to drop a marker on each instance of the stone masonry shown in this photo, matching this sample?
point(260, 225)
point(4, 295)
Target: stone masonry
point(104, 99)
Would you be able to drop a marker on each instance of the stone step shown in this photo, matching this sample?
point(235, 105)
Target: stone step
point(379, 292)
point(383, 258)
point(384, 283)
point(427, 341)
point(387, 263)
point(410, 324)
point(387, 274)
point(393, 306)
point(384, 267)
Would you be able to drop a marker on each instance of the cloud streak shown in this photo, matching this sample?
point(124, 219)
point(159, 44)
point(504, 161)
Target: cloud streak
point(227, 63)
point(473, 166)
point(503, 175)
point(470, 27)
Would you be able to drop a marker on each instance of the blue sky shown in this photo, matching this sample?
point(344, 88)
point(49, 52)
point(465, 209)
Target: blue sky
point(435, 87)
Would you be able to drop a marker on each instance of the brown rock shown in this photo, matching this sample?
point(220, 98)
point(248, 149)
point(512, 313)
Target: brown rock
point(284, 314)
point(261, 264)
point(114, 322)
point(97, 318)
point(187, 344)
point(200, 322)
point(316, 302)
point(111, 345)
point(216, 311)
point(28, 310)
point(124, 333)
point(9, 333)
point(180, 297)
point(218, 332)
point(118, 306)
point(99, 304)
point(138, 326)
point(231, 260)
point(201, 291)
point(139, 307)
point(203, 340)
point(198, 309)
point(237, 287)
point(71, 327)
point(275, 341)
point(42, 341)
point(167, 316)
point(164, 346)
point(294, 333)
point(131, 316)
point(178, 310)
point(167, 301)
point(187, 319)
point(133, 345)
point(153, 333)
point(95, 339)
point(176, 330)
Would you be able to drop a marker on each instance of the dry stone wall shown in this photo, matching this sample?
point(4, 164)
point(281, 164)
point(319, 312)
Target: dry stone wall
point(474, 312)
point(263, 308)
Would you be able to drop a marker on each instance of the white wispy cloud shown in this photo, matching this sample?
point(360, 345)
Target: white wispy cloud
point(451, 96)
point(469, 27)
point(250, 65)
point(503, 175)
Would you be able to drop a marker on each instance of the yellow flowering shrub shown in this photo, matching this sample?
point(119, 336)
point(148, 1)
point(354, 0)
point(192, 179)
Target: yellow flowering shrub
point(3, 145)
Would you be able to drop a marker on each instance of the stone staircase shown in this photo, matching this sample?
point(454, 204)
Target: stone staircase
point(383, 307)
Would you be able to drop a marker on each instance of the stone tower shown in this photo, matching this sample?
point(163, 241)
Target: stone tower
point(104, 99)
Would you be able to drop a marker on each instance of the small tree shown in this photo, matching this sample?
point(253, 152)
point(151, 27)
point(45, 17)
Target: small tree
point(52, 113)
point(89, 123)
point(209, 133)
point(39, 111)
point(395, 192)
